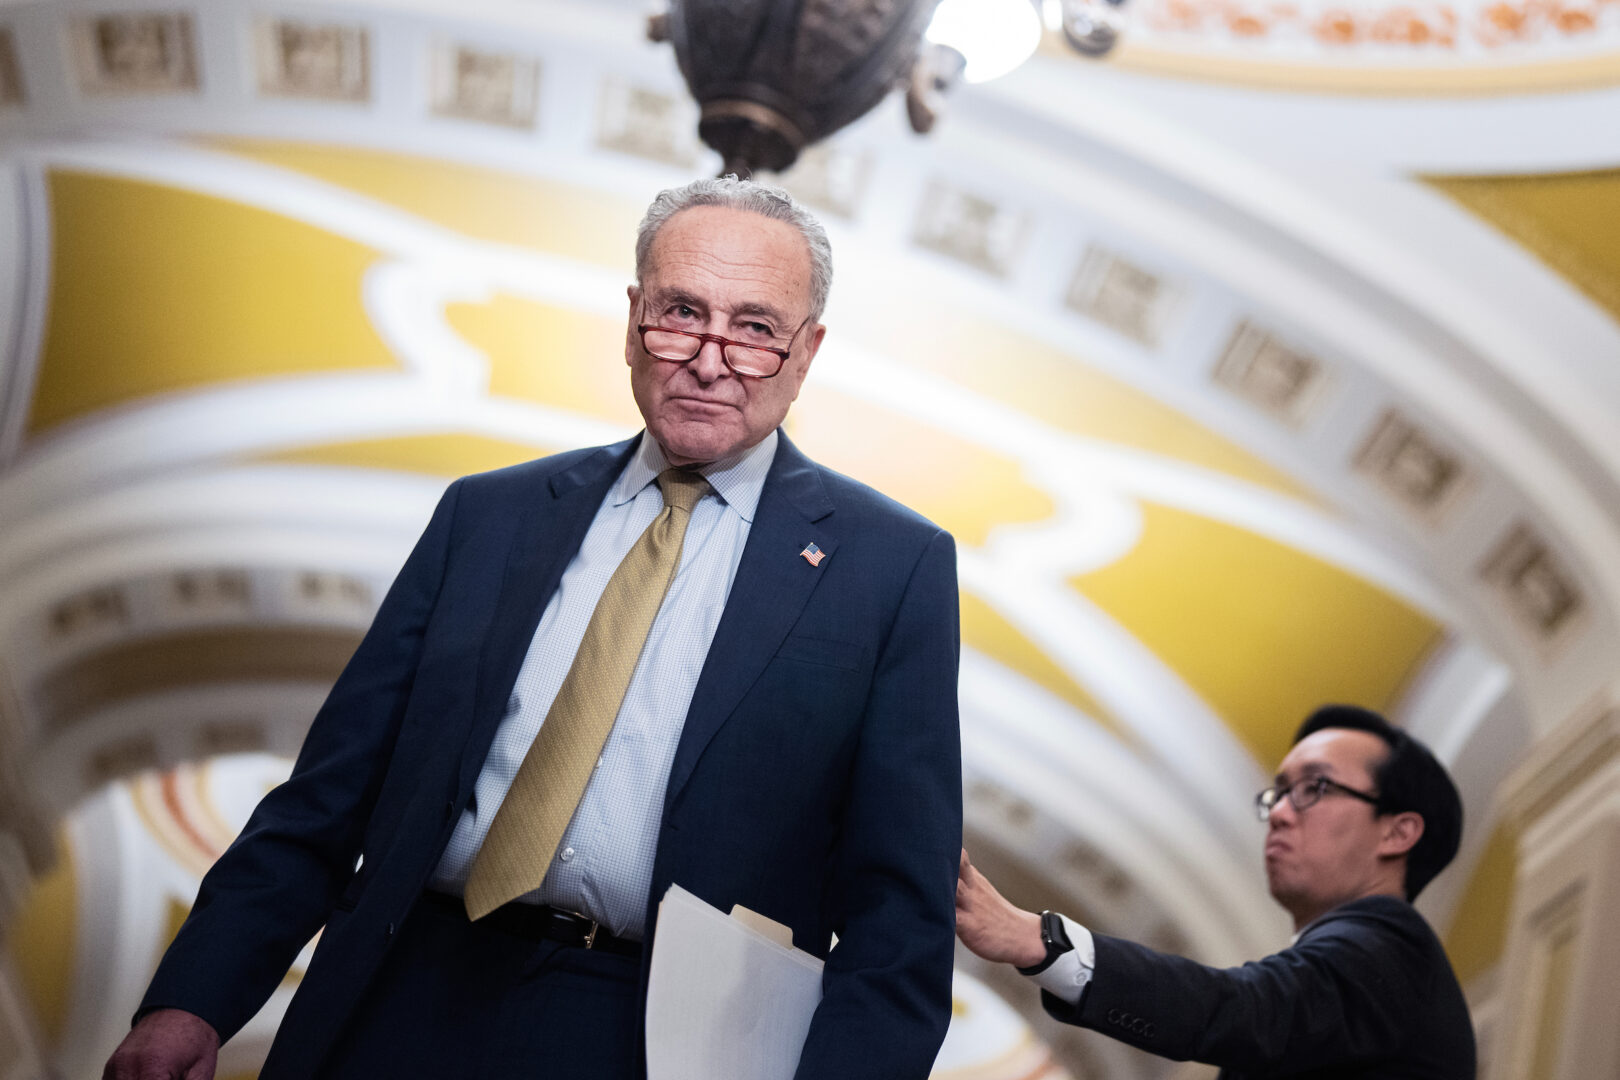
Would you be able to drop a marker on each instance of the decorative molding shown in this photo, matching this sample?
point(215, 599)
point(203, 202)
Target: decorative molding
point(11, 86)
point(182, 600)
point(319, 60)
point(1554, 932)
point(647, 123)
point(205, 594)
point(1082, 874)
point(1557, 764)
point(22, 821)
point(1492, 76)
point(1413, 464)
point(328, 595)
point(132, 669)
point(1262, 369)
point(970, 228)
point(1380, 33)
point(135, 53)
point(1538, 588)
point(118, 758)
point(489, 87)
point(1122, 296)
point(830, 177)
point(89, 615)
point(216, 738)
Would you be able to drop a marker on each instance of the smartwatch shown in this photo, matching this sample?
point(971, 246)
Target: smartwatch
point(1056, 940)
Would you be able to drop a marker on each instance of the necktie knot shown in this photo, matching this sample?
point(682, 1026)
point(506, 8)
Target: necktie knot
point(682, 489)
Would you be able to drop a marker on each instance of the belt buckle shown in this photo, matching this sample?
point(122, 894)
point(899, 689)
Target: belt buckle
point(590, 935)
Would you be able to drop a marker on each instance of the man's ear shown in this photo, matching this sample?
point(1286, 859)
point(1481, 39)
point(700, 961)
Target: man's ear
point(634, 293)
point(812, 346)
point(1401, 833)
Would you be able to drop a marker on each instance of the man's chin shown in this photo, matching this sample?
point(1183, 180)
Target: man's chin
point(688, 447)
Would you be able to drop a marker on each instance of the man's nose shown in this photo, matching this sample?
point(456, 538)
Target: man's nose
point(710, 362)
point(1282, 813)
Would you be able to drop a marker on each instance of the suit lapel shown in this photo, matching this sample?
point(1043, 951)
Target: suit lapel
point(773, 584)
point(548, 530)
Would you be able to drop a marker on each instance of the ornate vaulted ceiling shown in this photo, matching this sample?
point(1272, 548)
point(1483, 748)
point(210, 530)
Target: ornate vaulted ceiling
point(1235, 401)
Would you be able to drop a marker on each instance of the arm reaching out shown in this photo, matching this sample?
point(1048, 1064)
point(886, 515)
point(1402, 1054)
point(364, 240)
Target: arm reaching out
point(990, 925)
point(166, 1043)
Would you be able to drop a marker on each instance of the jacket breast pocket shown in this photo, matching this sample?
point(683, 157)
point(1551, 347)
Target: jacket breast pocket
point(827, 652)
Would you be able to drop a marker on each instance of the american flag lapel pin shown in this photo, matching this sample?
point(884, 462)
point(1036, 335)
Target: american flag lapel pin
point(813, 555)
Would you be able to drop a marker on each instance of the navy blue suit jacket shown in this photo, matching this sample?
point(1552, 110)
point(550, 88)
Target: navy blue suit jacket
point(817, 778)
point(1366, 993)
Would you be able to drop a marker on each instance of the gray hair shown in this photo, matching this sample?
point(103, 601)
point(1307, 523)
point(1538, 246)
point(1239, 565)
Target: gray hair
point(754, 197)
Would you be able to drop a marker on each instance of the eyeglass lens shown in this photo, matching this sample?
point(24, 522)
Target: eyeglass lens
point(1304, 794)
point(678, 346)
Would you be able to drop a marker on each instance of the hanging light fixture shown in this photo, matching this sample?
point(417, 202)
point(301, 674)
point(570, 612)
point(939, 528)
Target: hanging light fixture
point(1092, 27)
point(774, 76)
point(771, 78)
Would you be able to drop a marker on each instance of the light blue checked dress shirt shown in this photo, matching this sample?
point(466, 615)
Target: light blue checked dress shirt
point(603, 867)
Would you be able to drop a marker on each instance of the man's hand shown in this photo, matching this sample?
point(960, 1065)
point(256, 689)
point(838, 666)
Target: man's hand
point(167, 1044)
point(992, 927)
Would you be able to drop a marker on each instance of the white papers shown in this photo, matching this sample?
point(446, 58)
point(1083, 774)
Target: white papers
point(724, 1000)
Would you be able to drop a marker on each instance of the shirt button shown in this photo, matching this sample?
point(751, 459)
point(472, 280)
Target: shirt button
point(567, 854)
point(599, 761)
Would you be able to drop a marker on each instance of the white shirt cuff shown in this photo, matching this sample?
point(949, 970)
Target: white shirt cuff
point(1069, 973)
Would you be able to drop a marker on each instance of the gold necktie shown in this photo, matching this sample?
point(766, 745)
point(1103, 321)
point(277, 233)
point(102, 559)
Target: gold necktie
point(549, 784)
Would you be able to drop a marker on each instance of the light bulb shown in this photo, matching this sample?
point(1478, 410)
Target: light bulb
point(995, 35)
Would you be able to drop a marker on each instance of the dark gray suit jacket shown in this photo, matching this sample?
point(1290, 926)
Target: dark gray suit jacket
point(1365, 992)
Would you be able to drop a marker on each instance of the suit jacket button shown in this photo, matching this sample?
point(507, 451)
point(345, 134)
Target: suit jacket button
point(449, 810)
point(1150, 1031)
point(1113, 1016)
point(390, 931)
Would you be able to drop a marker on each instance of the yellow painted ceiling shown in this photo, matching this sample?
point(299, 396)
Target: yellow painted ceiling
point(265, 295)
point(485, 204)
point(550, 355)
point(1478, 929)
point(1046, 383)
point(1571, 221)
point(448, 454)
point(43, 941)
point(964, 488)
point(1263, 632)
point(155, 290)
point(984, 629)
point(582, 224)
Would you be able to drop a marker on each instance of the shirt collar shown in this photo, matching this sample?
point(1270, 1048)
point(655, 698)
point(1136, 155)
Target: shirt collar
point(738, 480)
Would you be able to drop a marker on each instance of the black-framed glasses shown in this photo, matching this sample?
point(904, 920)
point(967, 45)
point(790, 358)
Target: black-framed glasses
point(1304, 793)
point(745, 358)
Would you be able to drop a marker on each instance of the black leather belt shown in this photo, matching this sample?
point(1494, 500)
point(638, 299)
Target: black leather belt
point(536, 922)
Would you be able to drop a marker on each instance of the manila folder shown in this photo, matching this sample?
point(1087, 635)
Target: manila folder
point(724, 999)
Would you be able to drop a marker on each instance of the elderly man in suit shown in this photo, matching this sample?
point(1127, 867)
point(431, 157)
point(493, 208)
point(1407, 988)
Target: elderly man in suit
point(1361, 817)
point(694, 657)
